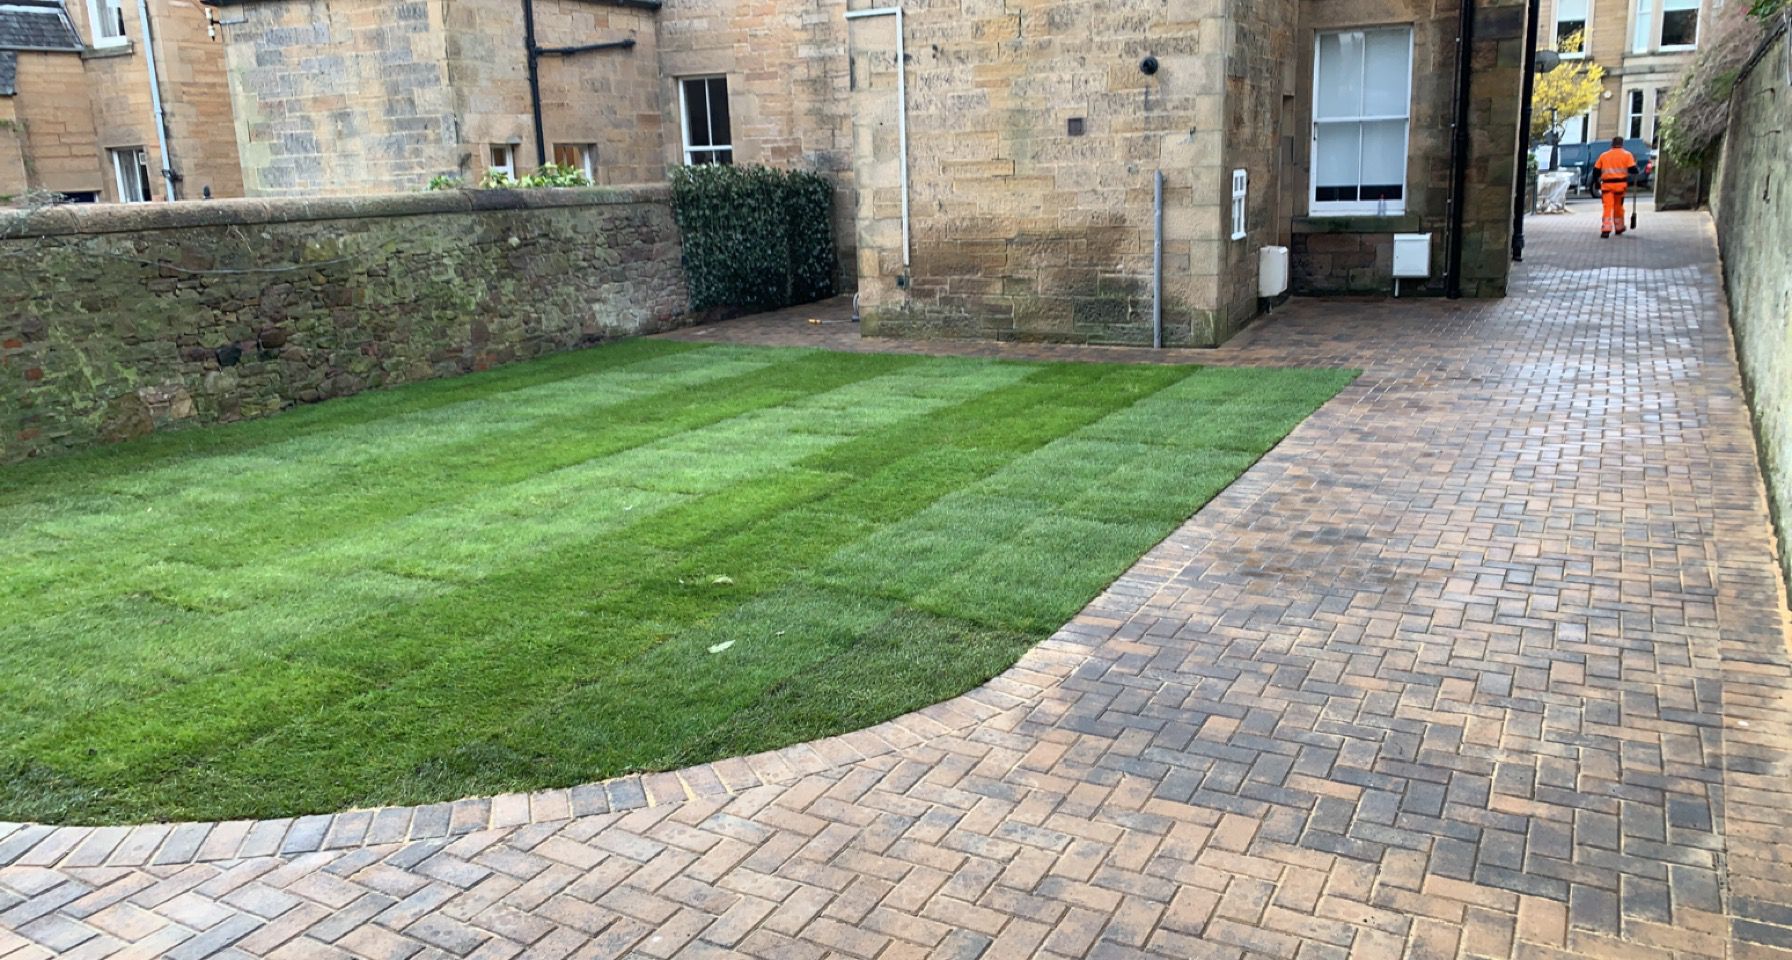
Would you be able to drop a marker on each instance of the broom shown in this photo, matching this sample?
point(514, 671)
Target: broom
point(1631, 200)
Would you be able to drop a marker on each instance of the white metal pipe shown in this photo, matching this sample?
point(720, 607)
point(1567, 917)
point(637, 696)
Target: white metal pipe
point(155, 101)
point(1157, 263)
point(901, 108)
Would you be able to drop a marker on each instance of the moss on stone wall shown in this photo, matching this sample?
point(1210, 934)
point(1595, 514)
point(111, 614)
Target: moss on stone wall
point(115, 321)
point(1754, 231)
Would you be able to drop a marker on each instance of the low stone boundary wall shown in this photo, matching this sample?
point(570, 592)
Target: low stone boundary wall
point(117, 320)
point(1750, 202)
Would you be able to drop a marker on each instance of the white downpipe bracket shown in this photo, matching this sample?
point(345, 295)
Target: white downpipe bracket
point(901, 108)
point(155, 100)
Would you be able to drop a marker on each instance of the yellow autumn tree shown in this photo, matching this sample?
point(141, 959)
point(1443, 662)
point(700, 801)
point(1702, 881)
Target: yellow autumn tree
point(1571, 89)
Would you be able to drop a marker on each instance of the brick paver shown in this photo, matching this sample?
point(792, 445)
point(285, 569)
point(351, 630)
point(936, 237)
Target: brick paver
point(1487, 659)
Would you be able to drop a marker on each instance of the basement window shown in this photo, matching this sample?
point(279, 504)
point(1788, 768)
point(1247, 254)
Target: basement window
point(1362, 91)
point(1240, 188)
point(130, 170)
point(708, 135)
point(106, 17)
point(579, 156)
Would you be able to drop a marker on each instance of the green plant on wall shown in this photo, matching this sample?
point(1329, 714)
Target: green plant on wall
point(755, 237)
point(1698, 110)
point(549, 175)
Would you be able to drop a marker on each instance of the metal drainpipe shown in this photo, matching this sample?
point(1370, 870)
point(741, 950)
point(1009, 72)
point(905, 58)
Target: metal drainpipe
point(1524, 129)
point(1157, 262)
point(155, 101)
point(541, 143)
point(1465, 32)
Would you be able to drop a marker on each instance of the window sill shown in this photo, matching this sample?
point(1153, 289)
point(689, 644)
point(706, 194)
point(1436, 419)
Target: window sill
point(1358, 223)
point(121, 48)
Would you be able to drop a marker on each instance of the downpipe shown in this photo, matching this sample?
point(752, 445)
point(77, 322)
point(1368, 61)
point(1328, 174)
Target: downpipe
point(1524, 129)
point(1157, 263)
point(155, 100)
point(1465, 40)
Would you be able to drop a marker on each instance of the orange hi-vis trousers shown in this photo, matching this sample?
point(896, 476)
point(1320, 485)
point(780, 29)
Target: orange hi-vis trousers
point(1614, 209)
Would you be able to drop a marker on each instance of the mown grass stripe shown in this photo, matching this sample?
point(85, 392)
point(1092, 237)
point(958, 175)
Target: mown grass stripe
point(894, 530)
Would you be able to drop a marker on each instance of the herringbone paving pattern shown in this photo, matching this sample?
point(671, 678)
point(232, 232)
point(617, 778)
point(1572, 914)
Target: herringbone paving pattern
point(1487, 659)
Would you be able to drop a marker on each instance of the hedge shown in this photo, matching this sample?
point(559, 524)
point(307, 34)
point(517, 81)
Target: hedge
point(755, 237)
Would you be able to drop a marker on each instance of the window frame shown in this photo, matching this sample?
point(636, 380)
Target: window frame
point(1636, 112)
point(143, 191)
point(1361, 208)
point(508, 167)
point(1586, 32)
point(1241, 187)
point(1661, 18)
point(96, 16)
point(709, 116)
point(587, 157)
point(1648, 21)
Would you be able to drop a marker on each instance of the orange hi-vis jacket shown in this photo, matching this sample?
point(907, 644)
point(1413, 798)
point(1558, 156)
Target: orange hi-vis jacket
point(1613, 168)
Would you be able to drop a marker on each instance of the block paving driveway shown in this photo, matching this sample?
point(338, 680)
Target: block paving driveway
point(1488, 659)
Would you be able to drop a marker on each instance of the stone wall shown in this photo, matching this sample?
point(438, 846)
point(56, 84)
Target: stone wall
point(336, 99)
point(195, 101)
point(1260, 105)
point(53, 122)
point(1753, 207)
point(117, 320)
point(1355, 254)
point(351, 97)
point(1034, 138)
point(609, 99)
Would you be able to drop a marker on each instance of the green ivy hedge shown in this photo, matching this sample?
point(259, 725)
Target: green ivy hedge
point(755, 237)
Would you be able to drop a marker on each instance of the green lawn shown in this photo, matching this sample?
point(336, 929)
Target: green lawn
point(634, 557)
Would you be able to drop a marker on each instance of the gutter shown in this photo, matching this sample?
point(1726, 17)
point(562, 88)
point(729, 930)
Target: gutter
point(155, 100)
point(536, 51)
point(1465, 38)
point(1524, 129)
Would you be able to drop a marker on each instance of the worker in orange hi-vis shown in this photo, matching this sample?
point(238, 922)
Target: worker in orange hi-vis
point(1614, 168)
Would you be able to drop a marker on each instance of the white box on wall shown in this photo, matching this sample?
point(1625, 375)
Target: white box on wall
point(1412, 255)
point(1272, 271)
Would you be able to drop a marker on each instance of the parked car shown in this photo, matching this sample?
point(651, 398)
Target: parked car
point(1579, 157)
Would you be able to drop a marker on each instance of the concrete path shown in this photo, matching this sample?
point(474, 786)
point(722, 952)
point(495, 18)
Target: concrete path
point(1488, 659)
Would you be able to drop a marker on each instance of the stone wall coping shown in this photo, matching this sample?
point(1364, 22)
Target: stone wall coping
point(82, 219)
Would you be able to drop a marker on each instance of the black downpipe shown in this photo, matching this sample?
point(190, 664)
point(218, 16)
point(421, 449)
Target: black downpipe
point(1524, 130)
point(1465, 32)
point(541, 143)
point(537, 51)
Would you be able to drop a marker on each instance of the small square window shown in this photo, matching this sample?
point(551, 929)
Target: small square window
point(502, 159)
point(130, 172)
point(579, 156)
point(1075, 126)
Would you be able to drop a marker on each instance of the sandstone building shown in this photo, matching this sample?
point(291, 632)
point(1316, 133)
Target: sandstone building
point(1001, 182)
point(1643, 46)
point(78, 101)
